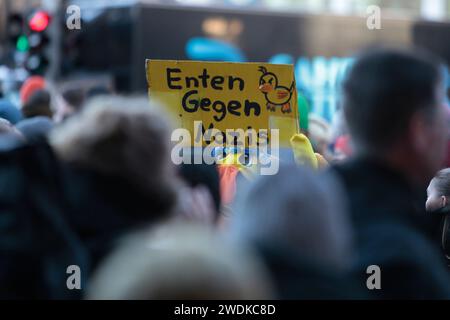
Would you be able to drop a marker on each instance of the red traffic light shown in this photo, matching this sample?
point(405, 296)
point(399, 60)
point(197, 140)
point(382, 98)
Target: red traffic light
point(39, 21)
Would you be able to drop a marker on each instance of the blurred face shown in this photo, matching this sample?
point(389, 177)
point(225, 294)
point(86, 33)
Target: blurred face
point(435, 201)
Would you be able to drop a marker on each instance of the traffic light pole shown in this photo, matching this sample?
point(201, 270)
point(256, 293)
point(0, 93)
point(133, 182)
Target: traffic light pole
point(5, 10)
point(57, 10)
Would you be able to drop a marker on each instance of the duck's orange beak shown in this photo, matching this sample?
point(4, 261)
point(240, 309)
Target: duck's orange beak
point(265, 88)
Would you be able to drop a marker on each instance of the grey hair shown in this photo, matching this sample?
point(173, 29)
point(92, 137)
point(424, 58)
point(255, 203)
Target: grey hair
point(119, 136)
point(301, 211)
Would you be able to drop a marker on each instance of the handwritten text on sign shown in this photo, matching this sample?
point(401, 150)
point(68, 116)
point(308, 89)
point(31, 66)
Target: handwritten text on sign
point(226, 95)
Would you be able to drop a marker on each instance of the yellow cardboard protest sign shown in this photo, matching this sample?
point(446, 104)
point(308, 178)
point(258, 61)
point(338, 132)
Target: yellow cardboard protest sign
point(226, 95)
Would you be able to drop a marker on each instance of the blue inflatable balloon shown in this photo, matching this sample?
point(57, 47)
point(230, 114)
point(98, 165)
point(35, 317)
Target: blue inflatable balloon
point(205, 49)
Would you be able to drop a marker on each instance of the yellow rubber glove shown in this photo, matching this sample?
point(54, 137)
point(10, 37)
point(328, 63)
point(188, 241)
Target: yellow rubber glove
point(303, 151)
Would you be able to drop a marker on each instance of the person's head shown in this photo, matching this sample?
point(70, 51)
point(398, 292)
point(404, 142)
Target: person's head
point(438, 191)
point(179, 262)
point(69, 102)
point(121, 137)
point(298, 210)
point(394, 107)
point(10, 112)
point(30, 85)
point(38, 104)
point(74, 97)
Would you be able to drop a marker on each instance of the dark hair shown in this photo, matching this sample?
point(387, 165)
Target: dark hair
point(383, 90)
point(442, 182)
point(38, 105)
point(203, 174)
point(75, 97)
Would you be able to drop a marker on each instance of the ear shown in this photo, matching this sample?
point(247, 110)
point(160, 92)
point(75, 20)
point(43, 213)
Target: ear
point(444, 201)
point(418, 133)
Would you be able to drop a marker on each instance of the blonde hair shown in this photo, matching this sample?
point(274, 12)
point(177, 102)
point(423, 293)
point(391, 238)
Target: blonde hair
point(180, 262)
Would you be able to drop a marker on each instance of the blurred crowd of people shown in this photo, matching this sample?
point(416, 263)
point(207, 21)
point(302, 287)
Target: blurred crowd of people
point(86, 180)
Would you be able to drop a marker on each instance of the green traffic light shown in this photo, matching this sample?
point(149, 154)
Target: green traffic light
point(22, 44)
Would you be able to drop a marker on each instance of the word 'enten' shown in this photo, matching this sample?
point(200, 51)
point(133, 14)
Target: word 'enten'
point(216, 82)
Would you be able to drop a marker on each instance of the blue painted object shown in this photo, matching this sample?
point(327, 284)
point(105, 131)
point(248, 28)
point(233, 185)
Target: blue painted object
point(205, 49)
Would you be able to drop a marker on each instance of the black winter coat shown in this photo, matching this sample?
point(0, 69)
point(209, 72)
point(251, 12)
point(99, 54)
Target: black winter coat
point(394, 232)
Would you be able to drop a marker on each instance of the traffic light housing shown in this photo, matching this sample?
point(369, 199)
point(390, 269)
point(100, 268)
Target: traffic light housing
point(37, 25)
point(29, 40)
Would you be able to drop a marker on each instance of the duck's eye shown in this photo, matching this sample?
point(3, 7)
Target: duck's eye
point(261, 81)
point(271, 80)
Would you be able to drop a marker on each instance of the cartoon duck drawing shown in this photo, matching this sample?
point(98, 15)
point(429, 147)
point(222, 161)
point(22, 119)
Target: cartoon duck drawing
point(275, 94)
